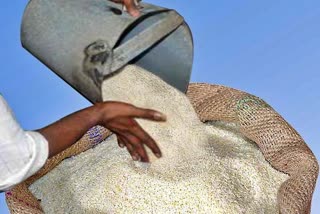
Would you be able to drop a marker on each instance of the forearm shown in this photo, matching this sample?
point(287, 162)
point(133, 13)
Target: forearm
point(65, 132)
point(117, 117)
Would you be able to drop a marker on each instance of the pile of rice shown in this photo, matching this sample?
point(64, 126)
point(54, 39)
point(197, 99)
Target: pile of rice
point(205, 168)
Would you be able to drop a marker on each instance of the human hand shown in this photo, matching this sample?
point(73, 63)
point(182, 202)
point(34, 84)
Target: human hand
point(120, 117)
point(131, 6)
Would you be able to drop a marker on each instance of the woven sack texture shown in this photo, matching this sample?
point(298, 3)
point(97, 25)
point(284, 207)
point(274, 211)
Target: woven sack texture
point(280, 144)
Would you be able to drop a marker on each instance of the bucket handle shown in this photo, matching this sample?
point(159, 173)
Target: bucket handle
point(144, 40)
point(101, 61)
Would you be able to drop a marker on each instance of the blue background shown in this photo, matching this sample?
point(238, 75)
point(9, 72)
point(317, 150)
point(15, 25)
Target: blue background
point(267, 48)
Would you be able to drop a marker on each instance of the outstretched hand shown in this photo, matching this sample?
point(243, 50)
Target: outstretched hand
point(120, 117)
point(131, 6)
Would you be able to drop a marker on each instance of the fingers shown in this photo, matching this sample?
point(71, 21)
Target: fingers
point(121, 142)
point(147, 114)
point(130, 148)
point(136, 146)
point(131, 7)
point(131, 135)
point(135, 156)
point(146, 139)
point(119, 118)
point(112, 110)
point(143, 137)
point(125, 143)
point(142, 152)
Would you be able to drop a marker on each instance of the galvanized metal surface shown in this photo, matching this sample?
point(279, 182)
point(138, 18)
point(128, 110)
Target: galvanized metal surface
point(84, 41)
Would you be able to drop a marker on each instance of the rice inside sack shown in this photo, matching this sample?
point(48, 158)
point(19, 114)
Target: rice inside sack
point(205, 168)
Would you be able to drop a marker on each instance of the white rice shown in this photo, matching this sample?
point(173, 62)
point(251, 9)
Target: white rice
point(205, 168)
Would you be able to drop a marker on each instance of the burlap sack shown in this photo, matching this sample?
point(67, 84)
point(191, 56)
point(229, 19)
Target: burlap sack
point(280, 144)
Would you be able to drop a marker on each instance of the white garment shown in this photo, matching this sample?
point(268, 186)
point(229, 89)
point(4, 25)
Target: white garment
point(22, 153)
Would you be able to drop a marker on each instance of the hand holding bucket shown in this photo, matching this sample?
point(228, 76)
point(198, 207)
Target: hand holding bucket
point(84, 49)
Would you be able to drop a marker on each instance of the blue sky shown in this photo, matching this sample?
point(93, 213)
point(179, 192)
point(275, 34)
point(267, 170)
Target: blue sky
point(267, 48)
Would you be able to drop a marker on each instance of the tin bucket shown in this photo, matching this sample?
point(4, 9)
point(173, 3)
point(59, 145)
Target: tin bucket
point(85, 41)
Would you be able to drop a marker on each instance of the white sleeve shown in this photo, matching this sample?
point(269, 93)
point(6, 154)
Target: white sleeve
point(22, 153)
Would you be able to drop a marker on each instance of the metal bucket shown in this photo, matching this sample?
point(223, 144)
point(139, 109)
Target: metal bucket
point(85, 41)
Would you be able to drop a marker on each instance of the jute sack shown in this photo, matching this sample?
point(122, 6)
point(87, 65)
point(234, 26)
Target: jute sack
point(280, 144)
